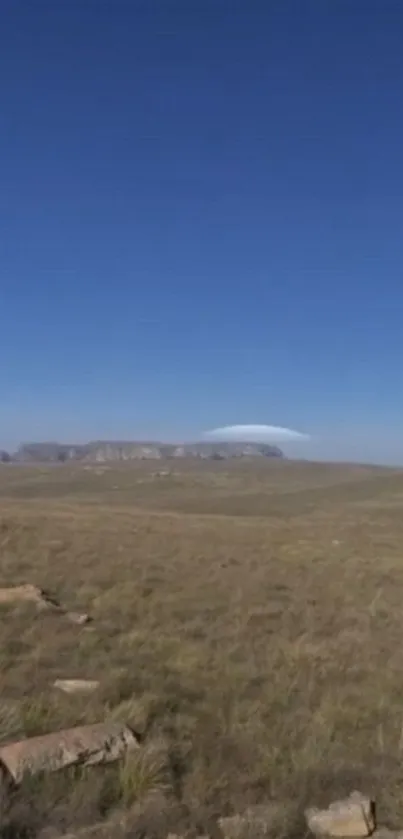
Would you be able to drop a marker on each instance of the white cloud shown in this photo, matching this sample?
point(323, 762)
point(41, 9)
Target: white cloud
point(255, 433)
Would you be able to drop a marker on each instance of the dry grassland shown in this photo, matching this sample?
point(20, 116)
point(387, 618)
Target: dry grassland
point(247, 622)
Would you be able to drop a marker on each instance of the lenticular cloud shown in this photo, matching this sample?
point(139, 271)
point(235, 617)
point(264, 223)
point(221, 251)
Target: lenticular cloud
point(255, 433)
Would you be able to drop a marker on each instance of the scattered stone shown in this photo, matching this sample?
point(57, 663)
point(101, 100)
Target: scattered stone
point(33, 594)
point(351, 817)
point(85, 745)
point(29, 593)
point(25, 593)
point(386, 833)
point(78, 618)
point(76, 685)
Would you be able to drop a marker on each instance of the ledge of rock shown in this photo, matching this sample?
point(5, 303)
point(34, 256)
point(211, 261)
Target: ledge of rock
point(87, 745)
point(76, 685)
point(349, 818)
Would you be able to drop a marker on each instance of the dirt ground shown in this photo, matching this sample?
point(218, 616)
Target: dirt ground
point(247, 623)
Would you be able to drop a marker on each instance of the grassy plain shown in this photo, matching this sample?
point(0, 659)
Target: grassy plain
point(247, 621)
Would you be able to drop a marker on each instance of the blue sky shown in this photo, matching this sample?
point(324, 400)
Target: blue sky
point(201, 220)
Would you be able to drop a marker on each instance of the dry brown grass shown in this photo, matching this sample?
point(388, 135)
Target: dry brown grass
point(248, 623)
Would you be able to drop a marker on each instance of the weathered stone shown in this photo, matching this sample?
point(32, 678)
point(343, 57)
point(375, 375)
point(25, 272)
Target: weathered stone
point(349, 818)
point(78, 618)
point(76, 685)
point(86, 745)
point(25, 593)
point(29, 593)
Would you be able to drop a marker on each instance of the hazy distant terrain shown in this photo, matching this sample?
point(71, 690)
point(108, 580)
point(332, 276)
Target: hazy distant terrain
point(247, 620)
point(105, 451)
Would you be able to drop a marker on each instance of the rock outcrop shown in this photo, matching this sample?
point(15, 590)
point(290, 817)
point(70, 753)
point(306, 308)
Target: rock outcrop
point(350, 817)
point(85, 745)
point(104, 452)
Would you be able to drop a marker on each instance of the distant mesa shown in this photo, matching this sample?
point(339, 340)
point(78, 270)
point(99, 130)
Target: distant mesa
point(110, 451)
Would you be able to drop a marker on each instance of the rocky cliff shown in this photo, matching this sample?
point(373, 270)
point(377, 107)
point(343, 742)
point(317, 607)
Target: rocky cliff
point(103, 452)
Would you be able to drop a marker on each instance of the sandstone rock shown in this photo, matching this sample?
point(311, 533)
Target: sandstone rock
point(76, 685)
point(85, 745)
point(351, 817)
point(25, 593)
point(78, 618)
point(386, 833)
point(29, 593)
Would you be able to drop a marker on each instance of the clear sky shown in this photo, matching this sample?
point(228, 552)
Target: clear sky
point(201, 220)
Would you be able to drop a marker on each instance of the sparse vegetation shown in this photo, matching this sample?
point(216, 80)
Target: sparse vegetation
point(247, 623)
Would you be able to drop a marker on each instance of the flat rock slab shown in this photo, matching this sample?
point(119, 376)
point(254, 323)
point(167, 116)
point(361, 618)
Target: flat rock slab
point(76, 685)
point(349, 818)
point(29, 593)
point(85, 745)
point(79, 618)
point(20, 594)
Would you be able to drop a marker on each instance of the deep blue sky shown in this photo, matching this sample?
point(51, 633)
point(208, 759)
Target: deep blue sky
point(201, 220)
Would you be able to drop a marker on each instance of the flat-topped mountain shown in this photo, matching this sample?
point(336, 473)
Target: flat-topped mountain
point(104, 451)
